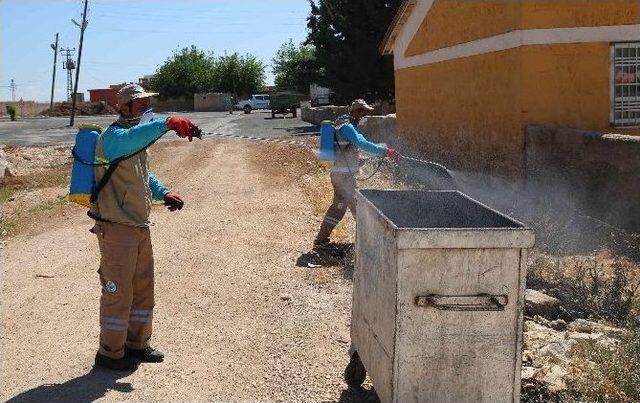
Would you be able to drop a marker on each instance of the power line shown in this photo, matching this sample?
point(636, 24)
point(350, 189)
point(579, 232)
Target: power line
point(213, 11)
point(199, 32)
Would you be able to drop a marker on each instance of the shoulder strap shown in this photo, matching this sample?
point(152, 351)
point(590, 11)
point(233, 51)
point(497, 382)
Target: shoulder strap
point(112, 167)
point(103, 181)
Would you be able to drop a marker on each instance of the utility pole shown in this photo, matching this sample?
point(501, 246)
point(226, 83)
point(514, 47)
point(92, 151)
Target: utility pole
point(13, 90)
point(55, 62)
point(82, 26)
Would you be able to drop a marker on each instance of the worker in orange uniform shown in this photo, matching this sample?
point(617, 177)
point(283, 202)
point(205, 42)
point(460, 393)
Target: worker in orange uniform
point(122, 202)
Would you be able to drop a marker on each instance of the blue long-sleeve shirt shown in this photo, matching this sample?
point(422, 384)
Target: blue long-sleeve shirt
point(118, 142)
point(350, 133)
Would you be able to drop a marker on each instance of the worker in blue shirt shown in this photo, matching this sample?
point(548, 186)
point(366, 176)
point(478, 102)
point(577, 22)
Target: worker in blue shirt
point(346, 165)
point(121, 205)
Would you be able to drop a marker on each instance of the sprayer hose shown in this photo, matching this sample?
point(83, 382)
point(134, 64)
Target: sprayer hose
point(439, 166)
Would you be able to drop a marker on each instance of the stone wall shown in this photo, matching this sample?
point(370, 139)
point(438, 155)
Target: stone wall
point(182, 104)
point(315, 115)
point(211, 102)
point(380, 129)
point(599, 173)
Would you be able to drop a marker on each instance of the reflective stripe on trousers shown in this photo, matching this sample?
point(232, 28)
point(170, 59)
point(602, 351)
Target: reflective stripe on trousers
point(344, 187)
point(126, 276)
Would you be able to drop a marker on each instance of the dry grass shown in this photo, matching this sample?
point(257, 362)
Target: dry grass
point(606, 374)
point(39, 187)
point(598, 286)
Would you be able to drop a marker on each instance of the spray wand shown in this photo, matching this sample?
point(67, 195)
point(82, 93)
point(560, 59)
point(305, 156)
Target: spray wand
point(198, 133)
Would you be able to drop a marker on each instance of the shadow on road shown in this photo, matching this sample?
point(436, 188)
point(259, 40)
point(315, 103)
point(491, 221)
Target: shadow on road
point(334, 254)
point(279, 118)
point(359, 395)
point(86, 388)
point(300, 130)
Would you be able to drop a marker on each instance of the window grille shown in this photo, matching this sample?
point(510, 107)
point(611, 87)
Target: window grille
point(625, 83)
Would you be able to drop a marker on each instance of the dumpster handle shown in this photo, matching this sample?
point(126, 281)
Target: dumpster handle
point(477, 302)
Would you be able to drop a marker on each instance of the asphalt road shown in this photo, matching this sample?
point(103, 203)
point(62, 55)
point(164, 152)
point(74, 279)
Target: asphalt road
point(54, 131)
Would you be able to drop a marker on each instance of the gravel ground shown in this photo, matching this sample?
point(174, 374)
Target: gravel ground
point(235, 315)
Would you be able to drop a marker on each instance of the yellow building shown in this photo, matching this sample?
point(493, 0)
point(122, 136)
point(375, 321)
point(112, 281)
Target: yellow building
point(472, 74)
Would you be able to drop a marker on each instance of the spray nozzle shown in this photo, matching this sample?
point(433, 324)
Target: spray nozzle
point(196, 132)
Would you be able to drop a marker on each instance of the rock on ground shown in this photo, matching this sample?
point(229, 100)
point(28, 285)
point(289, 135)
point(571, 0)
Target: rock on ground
point(6, 169)
point(539, 303)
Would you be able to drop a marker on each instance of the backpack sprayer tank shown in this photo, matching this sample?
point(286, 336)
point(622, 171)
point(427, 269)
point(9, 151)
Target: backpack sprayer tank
point(327, 141)
point(82, 175)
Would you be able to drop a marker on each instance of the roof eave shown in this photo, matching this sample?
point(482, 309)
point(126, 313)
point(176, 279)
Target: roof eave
point(386, 48)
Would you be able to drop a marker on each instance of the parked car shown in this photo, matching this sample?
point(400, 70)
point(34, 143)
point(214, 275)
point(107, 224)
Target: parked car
point(258, 101)
point(285, 102)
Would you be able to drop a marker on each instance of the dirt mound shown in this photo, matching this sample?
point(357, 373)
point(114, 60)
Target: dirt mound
point(82, 109)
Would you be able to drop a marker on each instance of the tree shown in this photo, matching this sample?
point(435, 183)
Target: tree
point(346, 35)
point(239, 75)
point(191, 71)
point(296, 67)
point(185, 73)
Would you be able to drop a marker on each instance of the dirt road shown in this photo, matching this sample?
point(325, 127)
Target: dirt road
point(237, 319)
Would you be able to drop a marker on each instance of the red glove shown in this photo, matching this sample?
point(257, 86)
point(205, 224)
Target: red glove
point(392, 154)
point(173, 201)
point(182, 126)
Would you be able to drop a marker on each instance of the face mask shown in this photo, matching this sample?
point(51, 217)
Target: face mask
point(146, 117)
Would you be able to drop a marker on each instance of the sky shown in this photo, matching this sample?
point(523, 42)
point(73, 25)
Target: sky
point(125, 40)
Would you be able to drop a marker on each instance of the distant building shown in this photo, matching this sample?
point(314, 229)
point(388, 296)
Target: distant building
point(118, 87)
point(145, 81)
point(108, 95)
point(79, 97)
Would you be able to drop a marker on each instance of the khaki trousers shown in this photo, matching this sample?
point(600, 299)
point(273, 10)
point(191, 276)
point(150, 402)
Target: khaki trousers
point(126, 275)
point(344, 187)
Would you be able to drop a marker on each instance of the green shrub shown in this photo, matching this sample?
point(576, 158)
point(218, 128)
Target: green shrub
point(11, 110)
point(596, 287)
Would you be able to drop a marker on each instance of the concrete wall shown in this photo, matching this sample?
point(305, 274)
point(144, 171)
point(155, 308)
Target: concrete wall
point(578, 186)
point(316, 115)
point(211, 102)
point(598, 174)
point(172, 104)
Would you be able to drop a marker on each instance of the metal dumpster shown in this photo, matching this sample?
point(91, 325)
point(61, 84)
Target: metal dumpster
point(438, 296)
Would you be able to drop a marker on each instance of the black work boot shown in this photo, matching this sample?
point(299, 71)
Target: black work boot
point(117, 364)
point(148, 354)
point(321, 243)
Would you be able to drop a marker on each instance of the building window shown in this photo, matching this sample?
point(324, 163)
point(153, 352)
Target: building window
point(625, 83)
